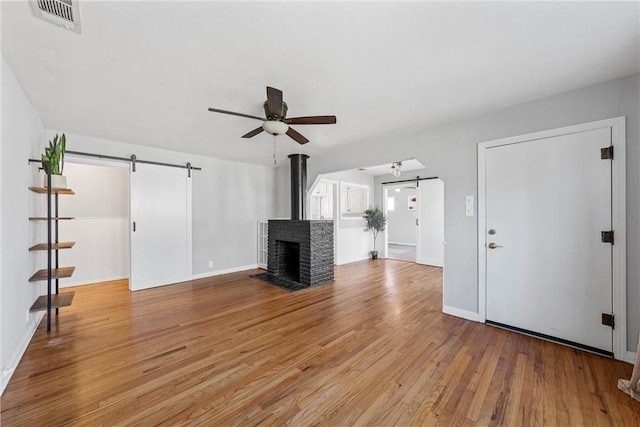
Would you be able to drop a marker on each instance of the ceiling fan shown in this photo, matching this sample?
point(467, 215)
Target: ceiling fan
point(276, 122)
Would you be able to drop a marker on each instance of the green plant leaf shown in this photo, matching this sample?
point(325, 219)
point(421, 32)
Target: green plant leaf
point(63, 147)
point(54, 155)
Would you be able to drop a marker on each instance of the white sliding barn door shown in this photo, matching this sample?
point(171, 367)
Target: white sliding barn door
point(547, 270)
point(429, 248)
point(160, 226)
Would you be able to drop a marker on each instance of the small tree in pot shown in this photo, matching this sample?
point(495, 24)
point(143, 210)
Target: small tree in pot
point(376, 222)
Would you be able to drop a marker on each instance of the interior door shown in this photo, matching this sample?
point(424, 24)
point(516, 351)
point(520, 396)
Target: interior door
point(161, 226)
point(429, 248)
point(548, 272)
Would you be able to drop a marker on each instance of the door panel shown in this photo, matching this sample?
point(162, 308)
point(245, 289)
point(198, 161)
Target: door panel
point(548, 200)
point(430, 250)
point(161, 211)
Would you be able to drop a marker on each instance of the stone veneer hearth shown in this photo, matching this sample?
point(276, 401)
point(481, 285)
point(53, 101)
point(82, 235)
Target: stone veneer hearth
point(313, 239)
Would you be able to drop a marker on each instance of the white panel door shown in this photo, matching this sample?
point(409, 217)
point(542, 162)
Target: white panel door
point(161, 226)
point(547, 202)
point(429, 248)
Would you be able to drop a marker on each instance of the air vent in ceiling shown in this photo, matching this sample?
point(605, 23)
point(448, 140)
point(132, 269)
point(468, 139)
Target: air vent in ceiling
point(63, 13)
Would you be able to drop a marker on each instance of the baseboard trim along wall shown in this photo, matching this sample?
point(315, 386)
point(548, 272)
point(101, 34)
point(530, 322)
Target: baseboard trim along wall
point(469, 315)
point(93, 282)
point(225, 271)
point(431, 261)
point(7, 371)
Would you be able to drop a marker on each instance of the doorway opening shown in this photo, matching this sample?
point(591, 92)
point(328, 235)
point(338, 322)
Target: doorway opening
point(100, 208)
point(402, 221)
point(415, 228)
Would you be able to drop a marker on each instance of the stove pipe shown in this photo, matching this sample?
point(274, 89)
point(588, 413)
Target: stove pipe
point(298, 185)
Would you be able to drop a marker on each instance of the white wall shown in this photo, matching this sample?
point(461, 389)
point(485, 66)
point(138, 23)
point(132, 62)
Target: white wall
point(401, 221)
point(228, 200)
point(101, 225)
point(449, 151)
point(22, 138)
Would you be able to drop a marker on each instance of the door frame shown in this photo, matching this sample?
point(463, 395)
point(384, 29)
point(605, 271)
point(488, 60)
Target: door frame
point(618, 218)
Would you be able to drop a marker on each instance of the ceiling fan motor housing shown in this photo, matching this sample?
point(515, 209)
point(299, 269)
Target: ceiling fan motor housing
point(283, 112)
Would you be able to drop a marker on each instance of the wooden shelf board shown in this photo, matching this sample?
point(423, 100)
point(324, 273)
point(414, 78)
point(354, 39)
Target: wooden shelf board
point(45, 246)
point(43, 190)
point(53, 218)
point(56, 273)
point(57, 300)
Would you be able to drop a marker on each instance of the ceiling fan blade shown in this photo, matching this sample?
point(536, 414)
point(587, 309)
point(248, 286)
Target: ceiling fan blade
point(312, 120)
point(216, 110)
point(274, 101)
point(297, 136)
point(253, 132)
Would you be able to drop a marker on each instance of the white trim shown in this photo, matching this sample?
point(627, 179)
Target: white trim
point(631, 357)
point(400, 243)
point(225, 271)
point(7, 372)
point(458, 312)
point(619, 224)
point(618, 218)
point(431, 261)
point(84, 160)
point(93, 281)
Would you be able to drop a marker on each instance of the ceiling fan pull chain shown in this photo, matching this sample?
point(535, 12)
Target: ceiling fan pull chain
point(274, 150)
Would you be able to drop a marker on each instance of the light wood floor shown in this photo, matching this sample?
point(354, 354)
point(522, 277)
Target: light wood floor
point(373, 348)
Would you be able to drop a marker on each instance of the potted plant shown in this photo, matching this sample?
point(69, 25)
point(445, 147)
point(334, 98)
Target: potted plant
point(376, 222)
point(53, 160)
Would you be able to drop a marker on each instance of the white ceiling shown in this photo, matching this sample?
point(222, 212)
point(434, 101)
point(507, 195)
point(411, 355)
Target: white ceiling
point(146, 72)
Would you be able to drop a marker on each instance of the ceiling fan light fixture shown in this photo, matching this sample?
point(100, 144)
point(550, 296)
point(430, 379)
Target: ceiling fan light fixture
point(396, 168)
point(275, 127)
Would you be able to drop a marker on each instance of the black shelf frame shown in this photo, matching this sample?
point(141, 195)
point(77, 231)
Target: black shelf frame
point(50, 241)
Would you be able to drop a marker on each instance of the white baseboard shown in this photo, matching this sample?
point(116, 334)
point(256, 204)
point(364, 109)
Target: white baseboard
point(8, 371)
point(430, 261)
point(631, 357)
point(225, 271)
point(93, 282)
point(469, 315)
point(403, 244)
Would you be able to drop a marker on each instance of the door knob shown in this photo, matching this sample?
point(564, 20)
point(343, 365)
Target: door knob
point(492, 245)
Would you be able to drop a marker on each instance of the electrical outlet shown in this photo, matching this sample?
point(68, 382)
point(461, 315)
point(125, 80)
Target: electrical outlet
point(28, 316)
point(210, 264)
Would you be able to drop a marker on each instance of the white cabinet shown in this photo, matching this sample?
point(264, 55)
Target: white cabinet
point(354, 199)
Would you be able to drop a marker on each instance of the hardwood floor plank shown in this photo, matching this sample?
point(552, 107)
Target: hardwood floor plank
point(372, 348)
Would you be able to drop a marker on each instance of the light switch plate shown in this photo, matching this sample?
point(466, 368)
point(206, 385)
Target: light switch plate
point(469, 206)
